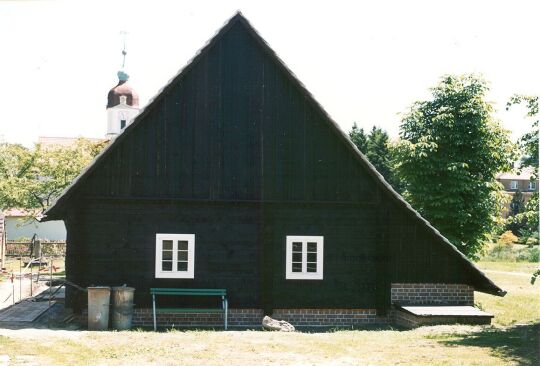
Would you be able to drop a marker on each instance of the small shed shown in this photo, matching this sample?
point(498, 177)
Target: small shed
point(234, 177)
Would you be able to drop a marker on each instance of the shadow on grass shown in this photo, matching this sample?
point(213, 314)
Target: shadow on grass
point(520, 343)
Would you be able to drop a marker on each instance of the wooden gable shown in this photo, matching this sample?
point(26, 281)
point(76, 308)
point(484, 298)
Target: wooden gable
point(237, 126)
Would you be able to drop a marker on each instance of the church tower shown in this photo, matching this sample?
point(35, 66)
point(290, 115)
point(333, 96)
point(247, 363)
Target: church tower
point(122, 103)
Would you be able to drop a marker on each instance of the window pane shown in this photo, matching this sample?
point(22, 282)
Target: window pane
point(182, 245)
point(182, 255)
point(312, 257)
point(182, 266)
point(297, 257)
point(167, 255)
point(167, 244)
point(312, 247)
point(312, 267)
point(297, 267)
point(166, 265)
point(297, 247)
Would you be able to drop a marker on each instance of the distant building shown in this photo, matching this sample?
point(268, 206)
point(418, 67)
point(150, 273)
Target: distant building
point(122, 105)
point(521, 181)
point(18, 225)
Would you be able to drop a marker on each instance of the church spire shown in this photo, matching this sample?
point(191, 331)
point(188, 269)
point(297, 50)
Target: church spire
point(122, 100)
point(122, 74)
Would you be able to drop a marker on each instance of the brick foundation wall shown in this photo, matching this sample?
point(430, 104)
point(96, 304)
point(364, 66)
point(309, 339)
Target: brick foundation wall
point(431, 294)
point(329, 317)
point(253, 318)
point(236, 317)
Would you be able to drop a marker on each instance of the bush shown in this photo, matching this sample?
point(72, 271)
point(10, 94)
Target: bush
point(531, 242)
point(507, 238)
point(500, 252)
point(508, 253)
point(528, 255)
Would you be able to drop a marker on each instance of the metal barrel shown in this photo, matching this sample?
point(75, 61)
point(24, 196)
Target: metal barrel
point(98, 307)
point(122, 307)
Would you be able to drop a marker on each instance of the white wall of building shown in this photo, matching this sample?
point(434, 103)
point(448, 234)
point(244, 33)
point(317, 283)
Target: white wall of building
point(118, 113)
point(19, 227)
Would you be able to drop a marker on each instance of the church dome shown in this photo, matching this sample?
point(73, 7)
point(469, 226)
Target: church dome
point(122, 89)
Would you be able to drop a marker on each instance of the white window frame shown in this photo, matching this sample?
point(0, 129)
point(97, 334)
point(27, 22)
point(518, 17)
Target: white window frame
point(513, 184)
point(532, 185)
point(190, 272)
point(304, 275)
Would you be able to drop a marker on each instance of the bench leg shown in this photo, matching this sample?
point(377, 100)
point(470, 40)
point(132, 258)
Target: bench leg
point(154, 311)
point(226, 310)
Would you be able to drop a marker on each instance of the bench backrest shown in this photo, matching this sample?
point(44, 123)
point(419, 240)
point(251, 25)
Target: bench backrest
point(189, 291)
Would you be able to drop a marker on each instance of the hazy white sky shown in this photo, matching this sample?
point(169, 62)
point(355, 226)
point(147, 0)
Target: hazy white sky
point(364, 61)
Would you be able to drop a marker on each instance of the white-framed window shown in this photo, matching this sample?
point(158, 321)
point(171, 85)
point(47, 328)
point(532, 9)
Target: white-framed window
point(532, 185)
point(513, 184)
point(304, 258)
point(175, 255)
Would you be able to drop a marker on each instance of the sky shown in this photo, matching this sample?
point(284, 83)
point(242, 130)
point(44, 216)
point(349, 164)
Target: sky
point(364, 61)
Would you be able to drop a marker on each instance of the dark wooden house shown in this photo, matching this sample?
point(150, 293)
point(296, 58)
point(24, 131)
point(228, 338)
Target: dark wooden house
point(234, 177)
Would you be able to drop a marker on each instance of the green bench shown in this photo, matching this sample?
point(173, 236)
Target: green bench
point(190, 292)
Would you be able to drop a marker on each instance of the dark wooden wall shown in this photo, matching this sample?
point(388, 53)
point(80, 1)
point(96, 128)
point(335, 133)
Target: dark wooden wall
point(237, 154)
point(234, 128)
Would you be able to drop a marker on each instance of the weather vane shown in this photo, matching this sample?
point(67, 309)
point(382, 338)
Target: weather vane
point(124, 53)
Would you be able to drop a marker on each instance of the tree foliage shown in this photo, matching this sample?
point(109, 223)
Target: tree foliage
point(528, 144)
point(33, 178)
point(358, 137)
point(517, 206)
point(450, 151)
point(378, 150)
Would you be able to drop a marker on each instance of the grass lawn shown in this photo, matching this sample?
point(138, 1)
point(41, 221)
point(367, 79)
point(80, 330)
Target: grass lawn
point(525, 267)
point(522, 302)
point(512, 340)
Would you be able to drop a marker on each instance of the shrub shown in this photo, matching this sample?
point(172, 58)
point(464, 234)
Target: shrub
point(500, 252)
point(529, 255)
point(507, 238)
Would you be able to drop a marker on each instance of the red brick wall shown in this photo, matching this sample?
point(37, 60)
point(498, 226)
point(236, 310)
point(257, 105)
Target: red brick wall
point(253, 318)
point(401, 294)
point(236, 317)
point(432, 294)
point(329, 317)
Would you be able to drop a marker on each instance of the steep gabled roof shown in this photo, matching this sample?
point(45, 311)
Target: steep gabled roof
point(482, 283)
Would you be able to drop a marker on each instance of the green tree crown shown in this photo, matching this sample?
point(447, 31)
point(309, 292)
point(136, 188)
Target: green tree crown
point(450, 152)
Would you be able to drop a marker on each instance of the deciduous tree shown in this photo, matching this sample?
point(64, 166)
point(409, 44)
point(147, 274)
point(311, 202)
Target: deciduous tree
point(528, 144)
point(33, 178)
point(450, 151)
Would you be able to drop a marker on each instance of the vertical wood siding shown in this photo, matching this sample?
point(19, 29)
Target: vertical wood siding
point(236, 154)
